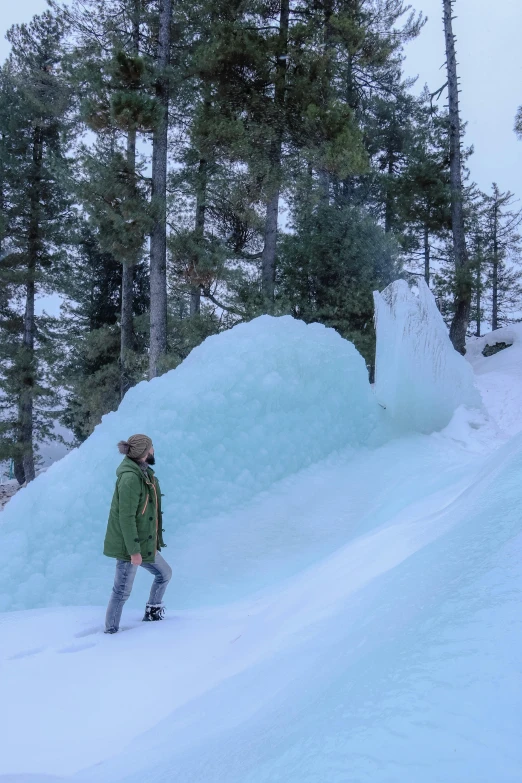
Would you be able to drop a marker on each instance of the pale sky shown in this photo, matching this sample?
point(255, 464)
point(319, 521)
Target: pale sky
point(490, 70)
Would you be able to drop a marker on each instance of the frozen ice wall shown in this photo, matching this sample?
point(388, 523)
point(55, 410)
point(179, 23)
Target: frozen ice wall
point(247, 408)
point(419, 378)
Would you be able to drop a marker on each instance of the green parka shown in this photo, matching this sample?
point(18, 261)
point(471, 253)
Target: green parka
point(135, 519)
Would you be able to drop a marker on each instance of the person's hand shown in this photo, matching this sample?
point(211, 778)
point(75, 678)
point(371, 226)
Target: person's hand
point(136, 559)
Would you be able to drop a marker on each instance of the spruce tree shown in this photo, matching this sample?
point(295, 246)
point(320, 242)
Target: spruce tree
point(424, 191)
point(503, 248)
point(111, 73)
point(35, 212)
point(88, 368)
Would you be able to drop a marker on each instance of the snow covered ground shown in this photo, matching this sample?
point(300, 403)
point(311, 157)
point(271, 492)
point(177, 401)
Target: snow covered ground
point(351, 618)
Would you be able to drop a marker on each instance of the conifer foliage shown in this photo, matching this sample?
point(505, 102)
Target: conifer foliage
point(35, 203)
point(168, 169)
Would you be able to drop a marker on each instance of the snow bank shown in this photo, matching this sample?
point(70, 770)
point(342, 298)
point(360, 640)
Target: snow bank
point(509, 335)
point(419, 378)
point(499, 376)
point(246, 409)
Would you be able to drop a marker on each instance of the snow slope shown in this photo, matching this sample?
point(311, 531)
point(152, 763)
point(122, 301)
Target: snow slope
point(371, 634)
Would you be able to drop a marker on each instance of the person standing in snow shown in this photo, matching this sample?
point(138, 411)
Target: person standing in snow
point(134, 532)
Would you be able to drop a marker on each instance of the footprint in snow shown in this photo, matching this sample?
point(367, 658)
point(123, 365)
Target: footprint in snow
point(88, 632)
point(26, 653)
point(77, 647)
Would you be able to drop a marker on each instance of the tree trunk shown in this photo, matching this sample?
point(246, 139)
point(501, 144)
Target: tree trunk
point(127, 286)
point(463, 275)
point(328, 10)
point(269, 251)
point(388, 210)
point(494, 281)
point(158, 238)
point(28, 368)
point(18, 463)
point(195, 300)
point(18, 470)
point(201, 205)
point(427, 254)
point(127, 272)
point(478, 285)
point(127, 330)
point(272, 205)
point(26, 402)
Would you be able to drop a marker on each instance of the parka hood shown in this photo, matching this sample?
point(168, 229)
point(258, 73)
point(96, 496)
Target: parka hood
point(128, 465)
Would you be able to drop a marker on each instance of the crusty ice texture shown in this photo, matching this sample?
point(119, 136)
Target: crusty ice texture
point(246, 409)
point(419, 377)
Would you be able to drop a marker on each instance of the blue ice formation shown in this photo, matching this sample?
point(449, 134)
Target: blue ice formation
point(419, 378)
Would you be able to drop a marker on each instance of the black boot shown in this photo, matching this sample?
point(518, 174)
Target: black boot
point(154, 612)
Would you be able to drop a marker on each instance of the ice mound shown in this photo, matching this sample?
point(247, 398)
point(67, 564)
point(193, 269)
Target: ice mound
point(247, 408)
point(419, 378)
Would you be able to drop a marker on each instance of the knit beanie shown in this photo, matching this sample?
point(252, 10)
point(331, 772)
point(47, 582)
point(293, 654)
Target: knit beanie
point(136, 447)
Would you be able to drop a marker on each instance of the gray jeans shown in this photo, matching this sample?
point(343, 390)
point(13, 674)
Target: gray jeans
point(123, 581)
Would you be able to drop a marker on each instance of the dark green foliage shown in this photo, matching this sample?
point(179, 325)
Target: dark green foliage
point(115, 197)
point(300, 112)
point(518, 122)
point(331, 265)
point(35, 209)
point(89, 371)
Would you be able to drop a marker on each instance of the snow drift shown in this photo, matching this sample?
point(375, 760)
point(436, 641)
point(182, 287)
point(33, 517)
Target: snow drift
point(394, 661)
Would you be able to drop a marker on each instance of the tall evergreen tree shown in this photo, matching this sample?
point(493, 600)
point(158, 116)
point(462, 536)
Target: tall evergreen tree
point(111, 74)
point(158, 237)
point(424, 191)
point(88, 368)
point(35, 207)
point(503, 247)
point(463, 280)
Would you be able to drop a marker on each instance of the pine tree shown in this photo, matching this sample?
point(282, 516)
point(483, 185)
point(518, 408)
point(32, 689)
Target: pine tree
point(463, 280)
point(331, 263)
point(218, 192)
point(423, 191)
point(503, 247)
point(158, 237)
point(111, 74)
point(88, 333)
point(477, 246)
point(35, 213)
